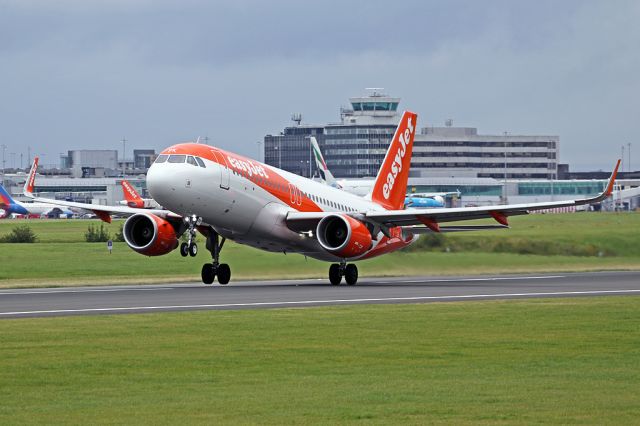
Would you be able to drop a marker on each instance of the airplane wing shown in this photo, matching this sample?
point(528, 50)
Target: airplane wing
point(103, 212)
point(431, 218)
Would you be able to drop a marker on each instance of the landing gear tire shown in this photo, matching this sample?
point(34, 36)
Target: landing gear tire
point(351, 274)
point(224, 273)
point(193, 249)
point(215, 269)
point(335, 275)
point(208, 273)
point(184, 249)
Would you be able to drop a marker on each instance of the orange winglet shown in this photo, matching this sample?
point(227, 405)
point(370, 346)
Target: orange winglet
point(501, 218)
point(104, 216)
point(429, 223)
point(612, 180)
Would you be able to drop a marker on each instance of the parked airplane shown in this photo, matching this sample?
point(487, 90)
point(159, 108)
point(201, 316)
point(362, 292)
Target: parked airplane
point(133, 199)
point(11, 206)
point(422, 201)
point(225, 195)
point(363, 186)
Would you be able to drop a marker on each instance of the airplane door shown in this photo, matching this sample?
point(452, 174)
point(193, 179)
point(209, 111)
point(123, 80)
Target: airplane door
point(224, 169)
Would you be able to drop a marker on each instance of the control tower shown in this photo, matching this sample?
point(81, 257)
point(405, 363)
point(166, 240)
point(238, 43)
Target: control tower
point(352, 148)
point(376, 108)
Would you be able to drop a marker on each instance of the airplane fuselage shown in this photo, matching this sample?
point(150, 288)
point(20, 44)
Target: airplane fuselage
point(248, 201)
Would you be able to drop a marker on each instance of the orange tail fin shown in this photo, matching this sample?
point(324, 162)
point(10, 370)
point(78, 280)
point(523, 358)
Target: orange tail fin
point(131, 195)
point(390, 187)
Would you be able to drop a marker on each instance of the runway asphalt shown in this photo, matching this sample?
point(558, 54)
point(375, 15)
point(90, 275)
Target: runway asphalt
point(302, 293)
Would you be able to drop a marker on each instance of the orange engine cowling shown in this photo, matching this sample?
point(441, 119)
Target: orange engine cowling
point(343, 236)
point(149, 234)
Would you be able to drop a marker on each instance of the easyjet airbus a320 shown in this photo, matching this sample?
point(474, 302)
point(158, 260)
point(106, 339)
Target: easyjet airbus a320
point(224, 195)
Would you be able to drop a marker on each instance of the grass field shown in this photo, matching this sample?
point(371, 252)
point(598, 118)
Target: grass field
point(578, 242)
point(570, 361)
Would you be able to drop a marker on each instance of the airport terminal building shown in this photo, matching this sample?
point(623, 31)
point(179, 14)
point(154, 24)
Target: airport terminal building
point(356, 146)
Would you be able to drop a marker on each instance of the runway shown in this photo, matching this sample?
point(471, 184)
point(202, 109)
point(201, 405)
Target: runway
point(303, 293)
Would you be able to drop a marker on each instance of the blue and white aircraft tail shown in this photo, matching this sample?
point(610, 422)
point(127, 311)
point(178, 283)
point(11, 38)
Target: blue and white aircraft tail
point(9, 205)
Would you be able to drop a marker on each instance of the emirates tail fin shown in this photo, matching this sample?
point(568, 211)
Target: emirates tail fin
point(324, 171)
point(390, 187)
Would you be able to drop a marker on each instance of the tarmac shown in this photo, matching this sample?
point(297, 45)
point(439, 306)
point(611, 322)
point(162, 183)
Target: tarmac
point(46, 302)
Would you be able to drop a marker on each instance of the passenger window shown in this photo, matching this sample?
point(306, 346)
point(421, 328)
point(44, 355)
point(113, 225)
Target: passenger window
point(200, 162)
point(161, 158)
point(177, 158)
point(192, 161)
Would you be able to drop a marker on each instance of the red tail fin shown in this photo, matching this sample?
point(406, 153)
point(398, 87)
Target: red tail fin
point(131, 195)
point(390, 187)
point(30, 183)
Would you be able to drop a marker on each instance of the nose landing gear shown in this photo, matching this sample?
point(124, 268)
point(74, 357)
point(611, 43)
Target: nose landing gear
point(339, 270)
point(215, 268)
point(190, 248)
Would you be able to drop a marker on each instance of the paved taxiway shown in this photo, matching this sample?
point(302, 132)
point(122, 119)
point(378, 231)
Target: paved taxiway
point(301, 293)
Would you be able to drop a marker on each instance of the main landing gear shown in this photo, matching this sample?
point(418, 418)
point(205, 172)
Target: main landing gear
point(339, 270)
point(190, 248)
point(215, 268)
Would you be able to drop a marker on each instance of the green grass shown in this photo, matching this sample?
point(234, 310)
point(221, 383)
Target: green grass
point(607, 234)
point(570, 361)
point(62, 258)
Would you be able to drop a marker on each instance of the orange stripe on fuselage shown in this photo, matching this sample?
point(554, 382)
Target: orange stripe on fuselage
point(257, 173)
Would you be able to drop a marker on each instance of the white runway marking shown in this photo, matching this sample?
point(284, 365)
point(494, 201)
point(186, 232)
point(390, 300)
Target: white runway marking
point(93, 290)
point(314, 302)
point(451, 280)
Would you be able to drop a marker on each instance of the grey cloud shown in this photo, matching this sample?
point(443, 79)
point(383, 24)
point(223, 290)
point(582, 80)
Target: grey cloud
point(79, 74)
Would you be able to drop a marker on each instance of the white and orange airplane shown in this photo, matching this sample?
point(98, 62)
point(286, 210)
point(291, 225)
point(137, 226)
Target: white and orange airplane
point(224, 195)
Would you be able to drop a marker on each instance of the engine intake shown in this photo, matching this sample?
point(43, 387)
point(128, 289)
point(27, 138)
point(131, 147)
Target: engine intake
point(343, 236)
point(149, 234)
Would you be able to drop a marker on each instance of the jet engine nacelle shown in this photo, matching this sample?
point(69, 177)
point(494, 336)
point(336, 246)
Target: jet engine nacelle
point(149, 234)
point(343, 236)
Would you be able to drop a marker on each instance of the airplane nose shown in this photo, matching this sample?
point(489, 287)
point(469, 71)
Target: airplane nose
point(159, 184)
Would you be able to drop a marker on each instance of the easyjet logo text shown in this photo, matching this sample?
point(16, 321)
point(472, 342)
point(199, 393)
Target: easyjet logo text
point(130, 190)
point(396, 165)
point(248, 166)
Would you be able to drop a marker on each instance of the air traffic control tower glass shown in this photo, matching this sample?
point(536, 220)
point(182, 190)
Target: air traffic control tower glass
point(375, 106)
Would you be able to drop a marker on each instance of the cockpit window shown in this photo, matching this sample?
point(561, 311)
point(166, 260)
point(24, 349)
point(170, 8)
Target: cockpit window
point(200, 162)
point(177, 158)
point(192, 161)
point(161, 158)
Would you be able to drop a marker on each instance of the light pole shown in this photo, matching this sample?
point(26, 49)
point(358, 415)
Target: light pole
point(124, 150)
point(4, 151)
point(309, 159)
point(504, 198)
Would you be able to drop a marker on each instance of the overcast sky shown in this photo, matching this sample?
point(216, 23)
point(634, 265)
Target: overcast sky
point(80, 74)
